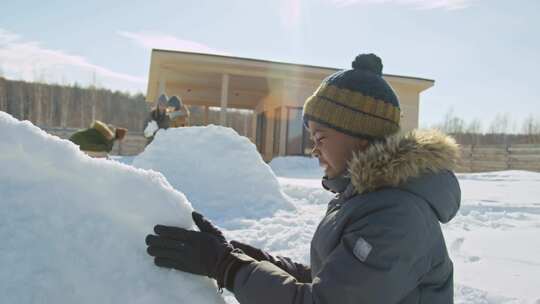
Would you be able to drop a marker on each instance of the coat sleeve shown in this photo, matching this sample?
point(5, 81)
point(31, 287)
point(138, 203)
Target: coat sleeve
point(300, 272)
point(372, 263)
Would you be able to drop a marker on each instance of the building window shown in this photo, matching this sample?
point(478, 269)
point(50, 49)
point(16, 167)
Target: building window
point(277, 130)
point(296, 133)
point(261, 132)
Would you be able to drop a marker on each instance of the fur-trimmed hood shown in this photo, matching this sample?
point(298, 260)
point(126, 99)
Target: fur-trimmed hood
point(419, 162)
point(402, 157)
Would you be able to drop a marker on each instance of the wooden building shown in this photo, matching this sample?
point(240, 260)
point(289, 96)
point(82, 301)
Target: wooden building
point(274, 92)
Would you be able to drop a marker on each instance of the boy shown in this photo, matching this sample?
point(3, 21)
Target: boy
point(380, 240)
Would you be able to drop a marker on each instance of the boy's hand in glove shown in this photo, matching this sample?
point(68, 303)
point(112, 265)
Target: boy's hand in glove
point(203, 253)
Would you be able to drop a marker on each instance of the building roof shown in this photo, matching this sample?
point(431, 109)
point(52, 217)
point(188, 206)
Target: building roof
point(198, 76)
point(280, 63)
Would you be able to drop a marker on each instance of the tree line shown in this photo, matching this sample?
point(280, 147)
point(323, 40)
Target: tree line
point(71, 106)
point(501, 130)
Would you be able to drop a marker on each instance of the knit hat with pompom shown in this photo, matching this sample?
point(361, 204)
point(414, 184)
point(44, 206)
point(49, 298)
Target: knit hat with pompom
point(357, 102)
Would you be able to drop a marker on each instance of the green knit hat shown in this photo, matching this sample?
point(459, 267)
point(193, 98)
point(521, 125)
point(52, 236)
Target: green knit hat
point(357, 102)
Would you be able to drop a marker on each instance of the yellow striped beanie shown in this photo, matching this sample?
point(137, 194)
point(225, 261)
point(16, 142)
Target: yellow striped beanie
point(357, 102)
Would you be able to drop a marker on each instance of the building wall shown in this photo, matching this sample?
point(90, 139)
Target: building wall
point(409, 98)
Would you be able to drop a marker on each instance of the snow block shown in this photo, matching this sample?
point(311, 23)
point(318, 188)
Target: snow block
point(221, 172)
point(73, 227)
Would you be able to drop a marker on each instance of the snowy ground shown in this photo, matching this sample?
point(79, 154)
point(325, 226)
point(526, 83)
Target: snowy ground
point(76, 225)
point(494, 240)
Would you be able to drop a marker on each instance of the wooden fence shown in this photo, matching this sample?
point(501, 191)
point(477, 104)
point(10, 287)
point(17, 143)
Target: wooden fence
point(481, 158)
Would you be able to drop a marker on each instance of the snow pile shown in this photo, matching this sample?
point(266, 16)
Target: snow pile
point(73, 228)
point(296, 166)
point(220, 172)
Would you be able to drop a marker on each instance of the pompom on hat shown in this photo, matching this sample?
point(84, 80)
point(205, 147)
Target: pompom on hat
point(357, 102)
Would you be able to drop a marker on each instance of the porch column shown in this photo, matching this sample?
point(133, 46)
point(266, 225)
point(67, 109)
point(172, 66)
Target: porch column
point(224, 97)
point(284, 119)
point(253, 136)
point(246, 126)
point(283, 129)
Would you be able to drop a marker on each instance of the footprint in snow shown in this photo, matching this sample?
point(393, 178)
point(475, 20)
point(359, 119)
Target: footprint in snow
point(472, 259)
point(456, 244)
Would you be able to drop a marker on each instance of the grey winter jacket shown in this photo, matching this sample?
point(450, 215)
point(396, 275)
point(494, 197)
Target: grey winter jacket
point(380, 240)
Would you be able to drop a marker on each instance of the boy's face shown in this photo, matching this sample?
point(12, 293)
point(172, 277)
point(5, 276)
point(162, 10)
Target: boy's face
point(333, 148)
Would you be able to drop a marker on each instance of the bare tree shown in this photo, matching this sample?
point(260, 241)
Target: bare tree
point(531, 128)
point(500, 124)
point(474, 131)
point(474, 127)
point(531, 125)
point(452, 124)
point(38, 103)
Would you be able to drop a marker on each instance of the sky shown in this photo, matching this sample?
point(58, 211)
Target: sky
point(482, 54)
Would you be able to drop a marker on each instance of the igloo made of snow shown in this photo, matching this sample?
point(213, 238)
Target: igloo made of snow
point(222, 173)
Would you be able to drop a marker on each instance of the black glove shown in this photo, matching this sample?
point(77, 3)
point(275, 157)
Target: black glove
point(203, 253)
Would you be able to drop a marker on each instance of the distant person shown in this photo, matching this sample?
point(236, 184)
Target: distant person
point(178, 112)
point(158, 119)
point(380, 240)
point(98, 140)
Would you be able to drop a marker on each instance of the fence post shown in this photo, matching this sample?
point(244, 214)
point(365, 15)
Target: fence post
point(508, 145)
point(471, 158)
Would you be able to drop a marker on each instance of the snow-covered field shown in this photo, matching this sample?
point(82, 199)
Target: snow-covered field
point(75, 226)
point(494, 240)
